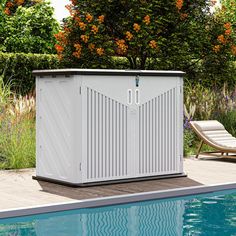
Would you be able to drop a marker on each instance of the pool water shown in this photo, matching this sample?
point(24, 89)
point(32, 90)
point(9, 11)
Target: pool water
point(205, 215)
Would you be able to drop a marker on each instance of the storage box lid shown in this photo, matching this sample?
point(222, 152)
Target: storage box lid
point(107, 72)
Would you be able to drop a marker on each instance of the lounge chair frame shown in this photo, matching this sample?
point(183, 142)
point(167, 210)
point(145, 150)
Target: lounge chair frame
point(219, 152)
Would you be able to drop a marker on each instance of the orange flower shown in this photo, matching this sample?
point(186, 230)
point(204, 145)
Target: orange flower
point(9, 4)
point(136, 27)
point(221, 39)
point(100, 51)
point(233, 50)
point(85, 38)
point(146, 19)
point(78, 46)
point(183, 16)
point(227, 25)
point(228, 32)
point(59, 48)
point(7, 11)
point(91, 46)
point(19, 2)
point(82, 25)
point(94, 29)
point(89, 17)
point(179, 4)
point(101, 19)
point(216, 48)
point(77, 54)
point(122, 47)
point(77, 19)
point(60, 37)
point(153, 44)
point(129, 36)
point(78, 51)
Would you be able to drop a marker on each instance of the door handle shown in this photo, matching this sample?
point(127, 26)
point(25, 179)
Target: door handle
point(137, 96)
point(129, 96)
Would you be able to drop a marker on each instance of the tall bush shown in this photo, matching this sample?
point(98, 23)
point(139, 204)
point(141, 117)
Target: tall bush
point(17, 68)
point(27, 26)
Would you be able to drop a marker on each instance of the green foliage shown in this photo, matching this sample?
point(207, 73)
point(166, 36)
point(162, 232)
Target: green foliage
point(201, 98)
point(228, 119)
point(17, 145)
point(17, 68)
point(189, 142)
point(5, 92)
point(208, 103)
point(30, 29)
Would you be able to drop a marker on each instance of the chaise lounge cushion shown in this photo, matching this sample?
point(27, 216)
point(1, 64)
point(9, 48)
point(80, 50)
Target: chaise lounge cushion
point(216, 133)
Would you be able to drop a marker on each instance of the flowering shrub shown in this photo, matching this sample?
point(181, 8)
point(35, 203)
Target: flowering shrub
point(176, 35)
point(133, 29)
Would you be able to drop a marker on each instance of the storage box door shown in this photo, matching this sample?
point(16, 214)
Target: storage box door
point(107, 128)
point(159, 125)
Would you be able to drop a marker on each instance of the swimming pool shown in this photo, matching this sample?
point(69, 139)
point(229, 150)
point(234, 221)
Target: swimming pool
point(206, 215)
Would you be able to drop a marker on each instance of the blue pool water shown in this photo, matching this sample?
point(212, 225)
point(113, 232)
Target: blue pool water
point(205, 215)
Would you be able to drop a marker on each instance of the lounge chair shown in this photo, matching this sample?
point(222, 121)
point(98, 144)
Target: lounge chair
point(214, 134)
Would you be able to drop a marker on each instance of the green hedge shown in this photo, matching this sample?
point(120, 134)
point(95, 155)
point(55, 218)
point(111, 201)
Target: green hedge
point(17, 68)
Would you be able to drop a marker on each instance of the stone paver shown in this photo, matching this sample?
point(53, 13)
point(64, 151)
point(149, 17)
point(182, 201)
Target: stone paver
point(18, 189)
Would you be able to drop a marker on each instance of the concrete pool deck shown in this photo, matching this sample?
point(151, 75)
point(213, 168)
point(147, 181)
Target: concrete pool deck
point(18, 189)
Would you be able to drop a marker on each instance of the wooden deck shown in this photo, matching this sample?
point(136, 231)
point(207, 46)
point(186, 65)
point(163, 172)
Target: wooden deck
point(17, 189)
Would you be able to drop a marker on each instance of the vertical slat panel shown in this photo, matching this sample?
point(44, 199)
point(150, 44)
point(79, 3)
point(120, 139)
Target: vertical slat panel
point(149, 138)
point(116, 139)
point(88, 132)
point(152, 134)
point(162, 133)
point(171, 131)
point(122, 140)
point(107, 137)
point(175, 127)
point(92, 134)
point(159, 134)
point(140, 136)
point(145, 138)
point(168, 131)
point(126, 138)
point(113, 137)
point(101, 162)
point(110, 138)
point(98, 136)
point(104, 134)
point(119, 140)
point(155, 135)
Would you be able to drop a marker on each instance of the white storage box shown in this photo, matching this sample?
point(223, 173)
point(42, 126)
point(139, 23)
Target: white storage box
point(108, 125)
